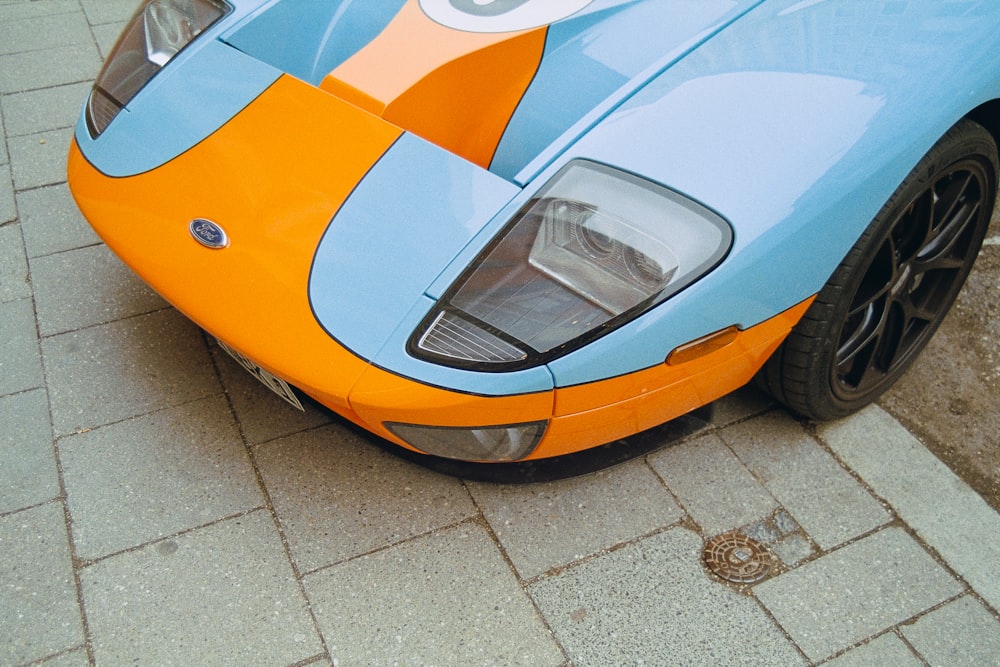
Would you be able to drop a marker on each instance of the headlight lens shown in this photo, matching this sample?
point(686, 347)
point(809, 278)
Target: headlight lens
point(156, 33)
point(487, 443)
point(594, 249)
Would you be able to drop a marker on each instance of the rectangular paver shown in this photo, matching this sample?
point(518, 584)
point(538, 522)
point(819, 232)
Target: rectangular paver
point(885, 650)
point(544, 526)
point(652, 603)
point(339, 497)
point(960, 634)
point(20, 361)
point(713, 485)
point(43, 110)
point(224, 594)
point(39, 159)
point(442, 599)
point(152, 476)
point(943, 510)
point(14, 283)
point(44, 31)
point(108, 11)
point(27, 458)
point(32, 70)
point(856, 592)
point(39, 612)
point(16, 10)
point(111, 372)
point(87, 286)
point(829, 504)
point(51, 222)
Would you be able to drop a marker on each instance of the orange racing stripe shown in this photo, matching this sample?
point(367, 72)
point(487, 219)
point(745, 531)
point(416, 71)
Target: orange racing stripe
point(456, 89)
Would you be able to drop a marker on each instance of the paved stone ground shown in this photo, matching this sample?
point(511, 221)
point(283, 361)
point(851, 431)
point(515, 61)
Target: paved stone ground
point(158, 507)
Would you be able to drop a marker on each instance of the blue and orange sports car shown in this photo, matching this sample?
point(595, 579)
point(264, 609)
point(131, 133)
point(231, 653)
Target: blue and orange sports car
point(499, 230)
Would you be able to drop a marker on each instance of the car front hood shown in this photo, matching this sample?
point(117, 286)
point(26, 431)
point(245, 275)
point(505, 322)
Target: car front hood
point(502, 100)
point(496, 83)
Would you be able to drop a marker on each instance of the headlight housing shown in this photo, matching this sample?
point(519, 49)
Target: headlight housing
point(595, 248)
point(156, 33)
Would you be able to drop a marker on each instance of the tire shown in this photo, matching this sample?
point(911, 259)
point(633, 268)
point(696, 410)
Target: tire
point(893, 289)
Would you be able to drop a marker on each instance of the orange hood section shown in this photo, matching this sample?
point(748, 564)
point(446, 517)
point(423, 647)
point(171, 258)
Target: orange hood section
point(455, 89)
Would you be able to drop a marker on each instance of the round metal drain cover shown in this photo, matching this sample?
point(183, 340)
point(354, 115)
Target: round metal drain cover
point(738, 559)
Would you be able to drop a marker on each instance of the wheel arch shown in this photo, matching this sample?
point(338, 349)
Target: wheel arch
point(988, 115)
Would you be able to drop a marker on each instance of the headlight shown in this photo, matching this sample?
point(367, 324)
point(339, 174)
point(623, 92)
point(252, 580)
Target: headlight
point(156, 33)
point(594, 249)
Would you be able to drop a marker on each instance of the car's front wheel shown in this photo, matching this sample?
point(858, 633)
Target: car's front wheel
point(887, 297)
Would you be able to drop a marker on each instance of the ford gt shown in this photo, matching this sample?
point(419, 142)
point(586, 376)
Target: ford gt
point(509, 230)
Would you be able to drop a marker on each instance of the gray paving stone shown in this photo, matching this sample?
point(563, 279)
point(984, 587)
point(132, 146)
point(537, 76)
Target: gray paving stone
point(33, 70)
point(960, 634)
point(20, 362)
point(13, 10)
point(856, 592)
point(44, 31)
point(27, 459)
point(107, 373)
point(885, 650)
point(712, 484)
point(108, 11)
point(651, 602)
point(940, 507)
point(43, 110)
point(39, 612)
point(224, 594)
point(156, 475)
point(338, 496)
point(829, 504)
point(8, 209)
point(446, 598)
point(792, 550)
point(261, 413)
point(39, 159)
point(51, 222)
point(87, 286)
point(543, 526)
point(14, 283)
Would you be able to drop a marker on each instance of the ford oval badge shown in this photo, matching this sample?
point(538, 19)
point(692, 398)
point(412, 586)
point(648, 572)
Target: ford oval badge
point(208, 233)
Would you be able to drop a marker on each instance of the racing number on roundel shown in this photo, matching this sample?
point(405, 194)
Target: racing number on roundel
point(499, 15)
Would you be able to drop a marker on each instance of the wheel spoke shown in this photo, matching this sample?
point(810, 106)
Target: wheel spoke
point(950, 196)
point(858, 344)
point(940, 252)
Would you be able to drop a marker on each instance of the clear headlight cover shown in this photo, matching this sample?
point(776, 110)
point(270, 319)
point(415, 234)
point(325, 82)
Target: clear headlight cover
point(156, 33)
point(487, 443)
point(594, 249)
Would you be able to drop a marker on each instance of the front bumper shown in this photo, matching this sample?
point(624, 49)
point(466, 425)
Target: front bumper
point(297, 144)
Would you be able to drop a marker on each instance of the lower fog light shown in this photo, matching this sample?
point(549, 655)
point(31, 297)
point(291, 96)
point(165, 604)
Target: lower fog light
point(488, 443)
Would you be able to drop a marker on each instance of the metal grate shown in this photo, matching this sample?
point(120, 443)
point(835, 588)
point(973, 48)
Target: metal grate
point(738, 559)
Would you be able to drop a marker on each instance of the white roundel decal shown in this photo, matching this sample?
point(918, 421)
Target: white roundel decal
point(499, 15)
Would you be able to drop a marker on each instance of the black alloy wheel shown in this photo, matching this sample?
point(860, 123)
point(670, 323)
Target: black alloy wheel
point(892, 291)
